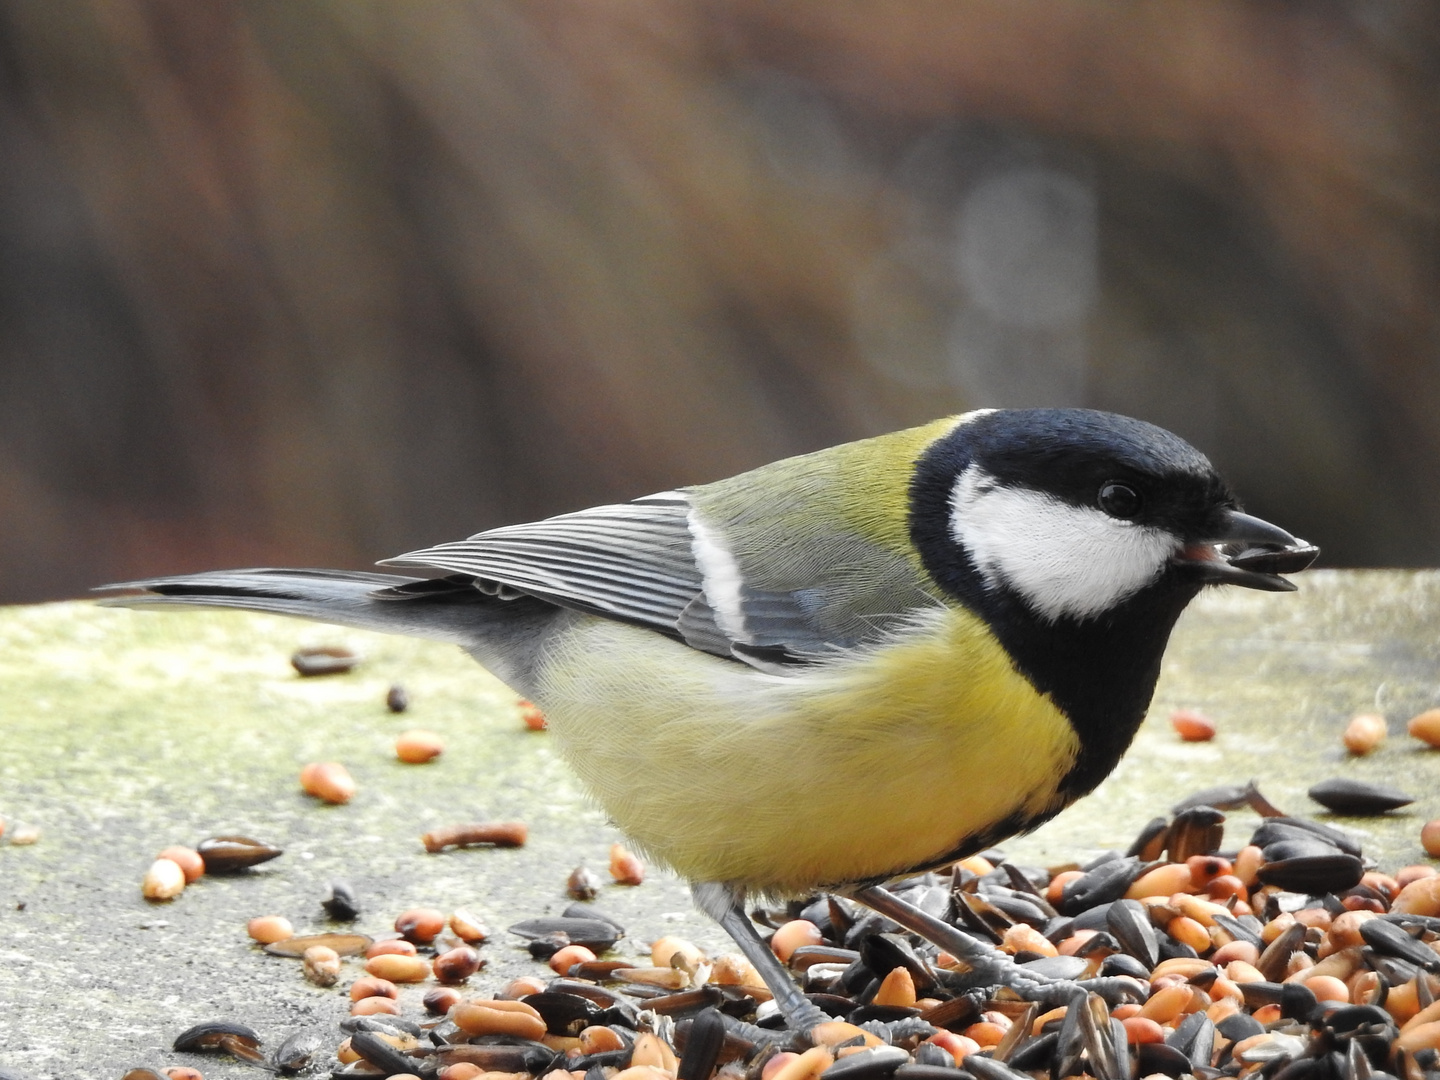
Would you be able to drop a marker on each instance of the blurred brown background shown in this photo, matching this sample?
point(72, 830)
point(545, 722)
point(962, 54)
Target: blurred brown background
point(317, 282)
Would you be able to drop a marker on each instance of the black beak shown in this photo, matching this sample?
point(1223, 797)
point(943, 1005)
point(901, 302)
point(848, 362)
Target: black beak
point(1247, 551)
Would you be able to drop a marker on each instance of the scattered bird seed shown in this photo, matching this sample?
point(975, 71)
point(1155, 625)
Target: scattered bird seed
point(324, 660)
point(188, 859)
point(531, 716)
point(1192, 726)
point(23, 835)
point(583, 884)
point(230, 854)
point(341, 904)
point(416, 747)
point(163, 881)
point(344, 944)
point(328, 781)
point(397, 698)
point(467, 927)
point(268, 929)
point(1430, 838)
point(1364, 733)
point(297, 1051)
point(221, 1036)
point(1426, 726)
point(1354, 797)
point(321, 965)
point(493, 833)
point(625, 866)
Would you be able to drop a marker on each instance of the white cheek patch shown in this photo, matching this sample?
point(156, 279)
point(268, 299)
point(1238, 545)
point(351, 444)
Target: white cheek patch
point(1062, 560)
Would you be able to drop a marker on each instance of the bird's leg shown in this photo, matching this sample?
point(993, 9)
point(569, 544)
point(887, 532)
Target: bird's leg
point(989, 965)
point(726, 905)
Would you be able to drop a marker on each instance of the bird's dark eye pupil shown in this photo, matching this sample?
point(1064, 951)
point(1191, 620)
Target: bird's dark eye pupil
point(1119, 500)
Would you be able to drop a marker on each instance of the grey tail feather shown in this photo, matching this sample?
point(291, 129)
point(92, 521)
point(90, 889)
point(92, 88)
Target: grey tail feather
point(347, 597)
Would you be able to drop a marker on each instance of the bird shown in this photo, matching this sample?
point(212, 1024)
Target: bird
point(839, 669)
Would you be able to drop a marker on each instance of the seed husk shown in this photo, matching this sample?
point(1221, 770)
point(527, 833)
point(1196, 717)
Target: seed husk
point(230, 854)
point(343, 944)
point(1223, 797)
point(1345, 796)
point(1150, 842)
point(296, 1051)
point(323, 660)
point(341, 903)
point(583, 883)
point(1198, 830)
point(223, 1036)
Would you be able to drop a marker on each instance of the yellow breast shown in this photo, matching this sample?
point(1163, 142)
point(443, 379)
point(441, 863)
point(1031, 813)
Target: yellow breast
point(866, 766)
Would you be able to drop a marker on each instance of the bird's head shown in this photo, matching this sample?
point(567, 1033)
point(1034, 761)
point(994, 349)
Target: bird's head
point(1072, 515)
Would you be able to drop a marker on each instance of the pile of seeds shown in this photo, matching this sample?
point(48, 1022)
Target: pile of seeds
point(1286, 958)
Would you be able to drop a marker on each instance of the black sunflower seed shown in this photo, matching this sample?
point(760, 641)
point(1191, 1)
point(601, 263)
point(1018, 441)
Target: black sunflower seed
point(594, 934)
point(1131, 925)
point(1317, 874)
point(1387, 938)
point(704, 1040)
point(1104, 883)
point(1292, 828)
point(1354, 797)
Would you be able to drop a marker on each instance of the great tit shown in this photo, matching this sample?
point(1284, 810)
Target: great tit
point(841, 668)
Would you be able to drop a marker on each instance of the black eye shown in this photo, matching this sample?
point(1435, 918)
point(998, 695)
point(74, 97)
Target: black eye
point(1119, 500)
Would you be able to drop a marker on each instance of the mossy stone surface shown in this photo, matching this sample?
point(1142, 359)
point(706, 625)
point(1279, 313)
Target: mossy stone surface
point(125, 732)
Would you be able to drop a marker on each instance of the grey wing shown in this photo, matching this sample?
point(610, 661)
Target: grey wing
point(805, 594)
point(628, 561)
point(652, 562)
